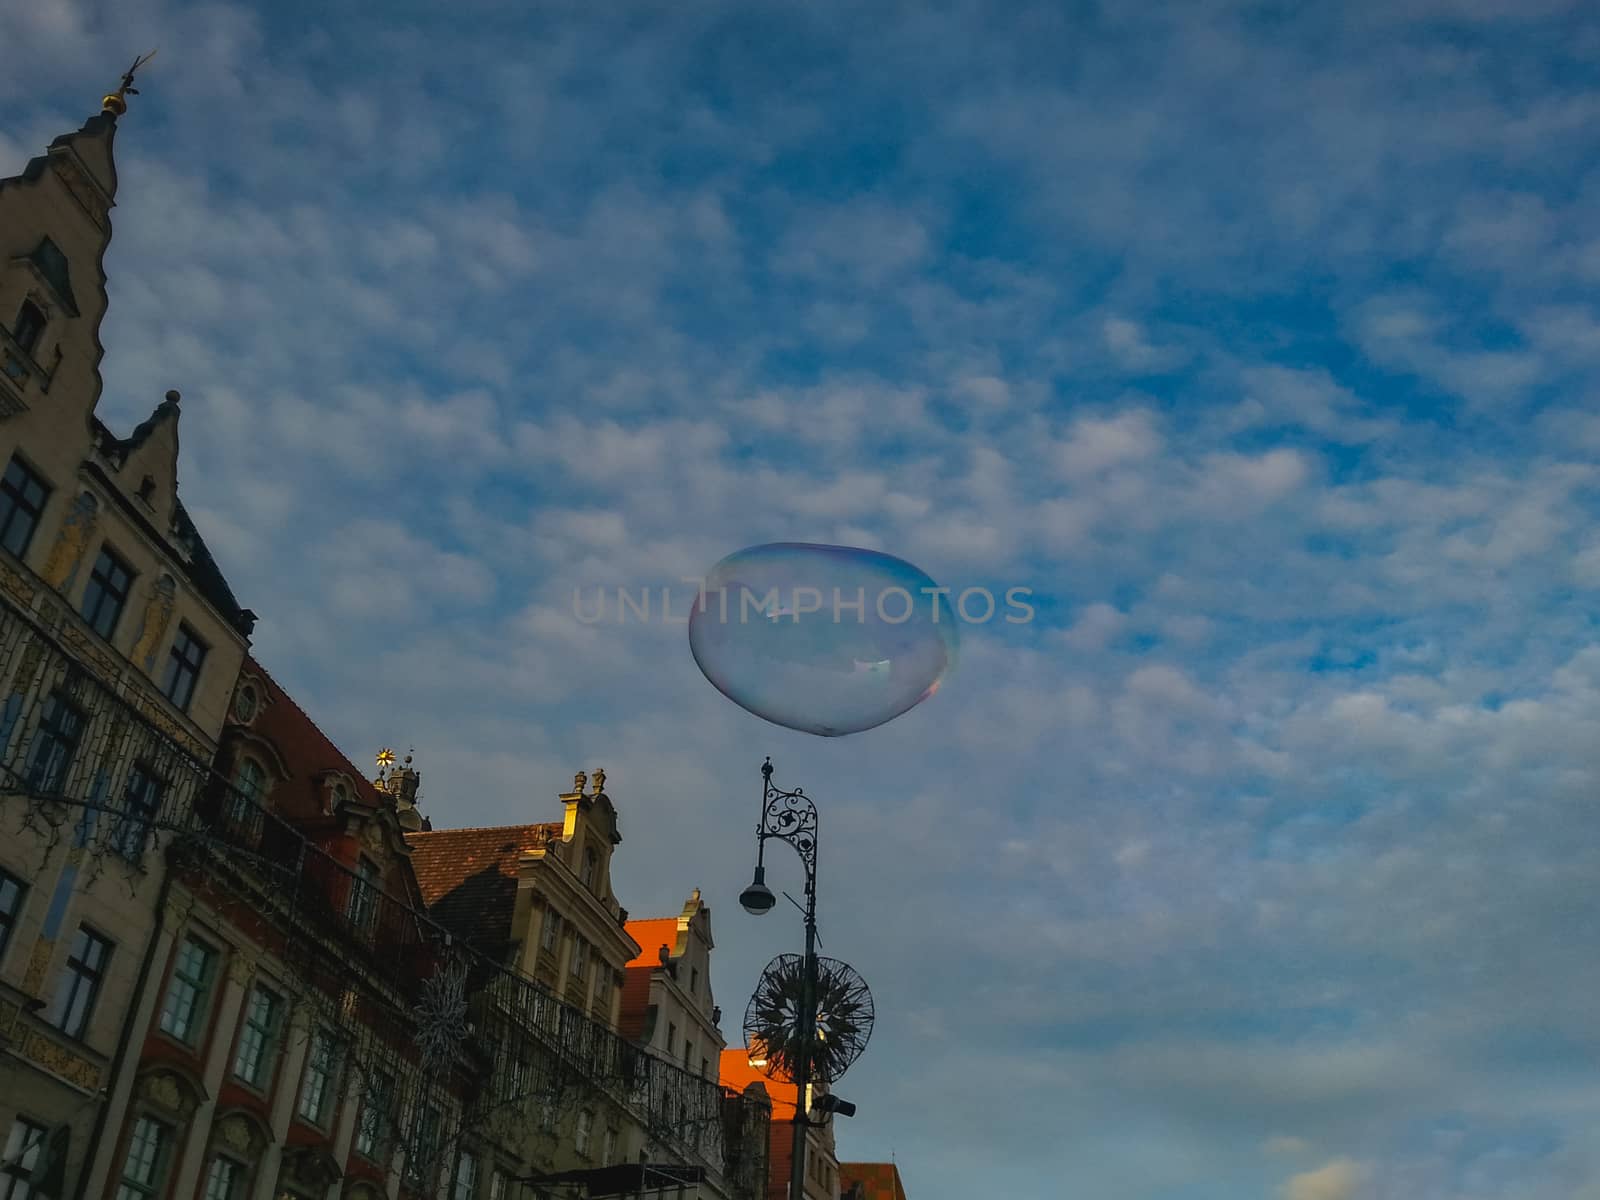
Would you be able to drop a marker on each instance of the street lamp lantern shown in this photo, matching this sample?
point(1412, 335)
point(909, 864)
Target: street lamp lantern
point(758, 899)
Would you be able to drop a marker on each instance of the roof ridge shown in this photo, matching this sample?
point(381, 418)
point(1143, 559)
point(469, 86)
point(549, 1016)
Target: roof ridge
point(484, 828)
point(283, 694)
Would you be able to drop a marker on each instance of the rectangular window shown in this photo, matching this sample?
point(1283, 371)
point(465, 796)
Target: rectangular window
point(316, 1091)
point(23, 1147)
point(466, 1177)
point(672, 1038)
point(141, 800)
point(258, 1039)
point(552, 929)
point(183, 667)
point(364, 889)
point(688, 1053)
point(374, 1129)
point(54, 744)
point(608, 1151)
point(22, 497)
point(146, 1162)
point(580, 957)
point(497, 1186)
point(694, 981)
point(705, 1068)
point(427, 1142)
point(79, 985)
point(12, 893)
point(107, 593)
point(580, 1140)
point(184, 1012)
point(222, 1179)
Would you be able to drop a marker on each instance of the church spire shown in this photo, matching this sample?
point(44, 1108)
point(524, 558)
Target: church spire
point(115, 104)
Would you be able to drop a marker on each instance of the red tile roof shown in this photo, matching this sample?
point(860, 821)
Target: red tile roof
point(305, 750)
point(652, 934)
point(469, 877)
point(308, 754)
point(734, 1070)
point(879, 1181)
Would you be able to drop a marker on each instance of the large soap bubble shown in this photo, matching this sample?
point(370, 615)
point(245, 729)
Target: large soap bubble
point(825, 639)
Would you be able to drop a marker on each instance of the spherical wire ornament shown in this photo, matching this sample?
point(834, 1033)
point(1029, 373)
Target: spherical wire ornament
point(772, 1021)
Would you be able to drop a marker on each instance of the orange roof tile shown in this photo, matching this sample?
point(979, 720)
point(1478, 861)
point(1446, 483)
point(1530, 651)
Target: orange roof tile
point(879, 1181)
point(469, 876)
point(734, 1070)
point(652, 934)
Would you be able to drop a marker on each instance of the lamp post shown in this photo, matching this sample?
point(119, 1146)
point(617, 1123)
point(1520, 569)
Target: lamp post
point(792, 817)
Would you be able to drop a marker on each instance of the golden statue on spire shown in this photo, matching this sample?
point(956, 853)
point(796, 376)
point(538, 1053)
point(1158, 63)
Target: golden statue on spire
point(116, 103)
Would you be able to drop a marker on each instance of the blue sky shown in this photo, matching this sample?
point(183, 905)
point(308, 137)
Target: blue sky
point(1258, 339)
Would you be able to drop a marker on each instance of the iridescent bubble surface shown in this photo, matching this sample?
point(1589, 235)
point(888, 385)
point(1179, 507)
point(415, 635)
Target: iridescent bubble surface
point(828, 640)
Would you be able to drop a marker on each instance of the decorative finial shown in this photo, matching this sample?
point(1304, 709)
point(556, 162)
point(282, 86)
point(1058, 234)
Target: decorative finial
point(117, 103)
point(578, 781)
point(766, 769)
point(173, 396)
point(386, 757)
point(599, 781)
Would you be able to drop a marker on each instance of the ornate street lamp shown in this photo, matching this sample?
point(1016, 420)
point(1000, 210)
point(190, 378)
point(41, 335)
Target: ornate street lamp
point(781, 1024)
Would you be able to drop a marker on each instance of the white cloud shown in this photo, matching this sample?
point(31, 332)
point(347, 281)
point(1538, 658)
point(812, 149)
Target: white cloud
point(1337, 1180)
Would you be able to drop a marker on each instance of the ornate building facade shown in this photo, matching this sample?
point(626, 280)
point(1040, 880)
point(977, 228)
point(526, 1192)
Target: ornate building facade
point(119, 645)
point(232, 966)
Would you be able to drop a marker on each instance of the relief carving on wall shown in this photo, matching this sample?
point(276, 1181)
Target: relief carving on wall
point(158, 611)
point(72, 1067)
point(242, 968)
point(81, 189)
point(71, 541)
point(16, 585)
point(38, 964)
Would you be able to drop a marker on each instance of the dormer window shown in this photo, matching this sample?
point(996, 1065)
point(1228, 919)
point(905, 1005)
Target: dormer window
point(147, 489)
point(29, 325)
point(245, 704)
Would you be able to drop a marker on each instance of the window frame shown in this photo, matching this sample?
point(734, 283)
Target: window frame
point(372, 1124)
point(608, 1146)
point(184, 666)
point(200, 990)
point(366, 886)
point(271, 1036)
point(36, 327)
point(16, 1174)
point(15, 498)
point(582, 1132)
point(464, 1158)
point(78, 972)
point(50, 779)
point(99, 589)
point(430, 1120)
point(139, 809)
point(11, 916)
point(578, 964)
point(239, 1171)
point(331, 1062)
point(550, 935)
point(160, 1159)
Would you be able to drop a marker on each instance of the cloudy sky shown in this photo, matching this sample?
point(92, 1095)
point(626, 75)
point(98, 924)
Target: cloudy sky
point(1258, 339)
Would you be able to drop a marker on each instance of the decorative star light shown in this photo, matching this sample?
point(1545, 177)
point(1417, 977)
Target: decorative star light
point(441, 1013)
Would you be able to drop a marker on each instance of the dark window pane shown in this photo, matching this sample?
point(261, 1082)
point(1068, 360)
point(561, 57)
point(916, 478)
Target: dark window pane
point(28, 327)
point(107, 593)
point(22, 497)
point(183, 667)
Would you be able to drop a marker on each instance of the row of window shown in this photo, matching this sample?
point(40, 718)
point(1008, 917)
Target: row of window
point(49, 764)
point(23, 495)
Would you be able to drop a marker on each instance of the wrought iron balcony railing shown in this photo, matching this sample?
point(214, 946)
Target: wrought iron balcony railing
point(79, 760)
